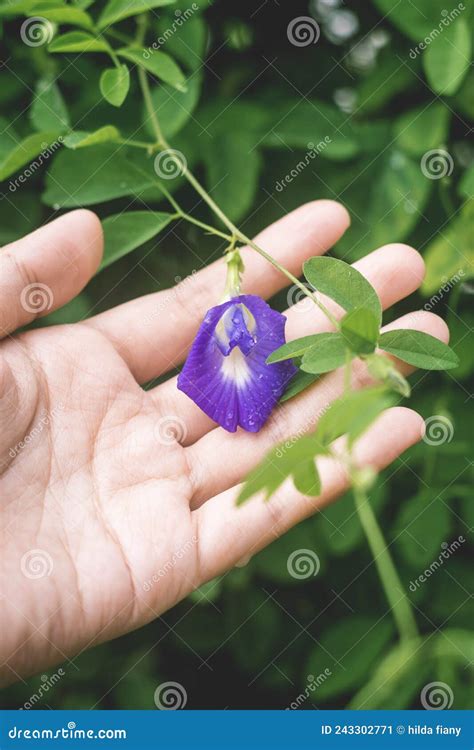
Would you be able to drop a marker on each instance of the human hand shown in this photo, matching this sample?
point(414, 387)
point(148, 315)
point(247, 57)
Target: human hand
point(107, 520)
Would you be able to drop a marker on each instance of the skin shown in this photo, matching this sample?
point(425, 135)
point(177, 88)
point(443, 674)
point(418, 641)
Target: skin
point(100, 487)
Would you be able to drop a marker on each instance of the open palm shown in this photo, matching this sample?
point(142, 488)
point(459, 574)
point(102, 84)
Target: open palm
point(116, 502)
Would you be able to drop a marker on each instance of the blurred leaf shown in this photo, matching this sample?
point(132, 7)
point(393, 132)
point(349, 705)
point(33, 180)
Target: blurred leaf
point(416, 20)
point(423, 128)
point(422, 524)
point(446, 61)
point(233, 167)
point(48, 110)
point(81, 139)
point(342, 283)
point(272, 562)
point(294, 458)
point(124, 232)
point(106, 173)
point(298, 383)
point(117, 10)
point(114, 85)
point(419, 349)
point(208, 592)
point(451, 252)
point(350, 649)
point(326, 354)
point(77, 41)
point(388, 79)
point(307, 123)
point(339, 522)
point(160, 64)
point(360, 330)
point(463, 100)
point(395, 680)
point(352, 414)
point(24, 152)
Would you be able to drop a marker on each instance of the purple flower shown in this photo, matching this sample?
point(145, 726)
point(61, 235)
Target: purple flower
point(226, 373)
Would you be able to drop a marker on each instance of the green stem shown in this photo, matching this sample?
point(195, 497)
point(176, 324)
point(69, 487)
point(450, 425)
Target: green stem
point(136, 144)
point(391, 583)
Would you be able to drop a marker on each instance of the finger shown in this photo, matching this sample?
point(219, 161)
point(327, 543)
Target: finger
point(159, 327)
point(48, 268)
point(229, 534)
point(294, 418)
point(395, 271)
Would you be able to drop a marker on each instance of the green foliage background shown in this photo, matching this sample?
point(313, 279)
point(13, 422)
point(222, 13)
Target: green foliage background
point(253, 103)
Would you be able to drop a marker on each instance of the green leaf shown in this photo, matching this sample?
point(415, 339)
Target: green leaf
point(360, 330)
point(383, 370)
point(160, 64)
point(342, 283)
point(233, 167)
point(61, 13)
point(125, 232)
point(328, 353)
point(298, 383)
point(105, 174)
point(466, 184)
point(416, 20)
point(419, 349)
point(451, 254)
point(174, 107)
point(423, 128)
point(421, 526)
point(446, 61)
point(77, 41)
point(80, 138)
point(293, 348)
point(350, 648)
point(114, 85)
point(293, 458)
point(48, 110)
point(305, 124)
point(28, 151)
point(117, 10)
point(352, 414)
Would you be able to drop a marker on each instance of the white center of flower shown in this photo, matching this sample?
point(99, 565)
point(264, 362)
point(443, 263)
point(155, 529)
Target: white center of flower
point(235, 367)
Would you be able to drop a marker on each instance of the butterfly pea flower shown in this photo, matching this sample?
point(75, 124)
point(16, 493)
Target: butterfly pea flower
point(226, 373)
